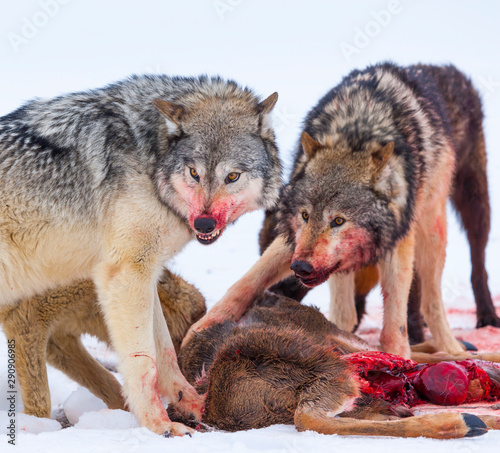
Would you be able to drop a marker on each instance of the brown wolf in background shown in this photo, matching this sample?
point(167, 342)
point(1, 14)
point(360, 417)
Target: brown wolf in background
point(47, 329)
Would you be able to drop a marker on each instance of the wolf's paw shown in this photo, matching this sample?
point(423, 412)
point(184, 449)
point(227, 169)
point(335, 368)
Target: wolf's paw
point(175, 429)
point(488, 320)
point(165, 427)
point(190, 404)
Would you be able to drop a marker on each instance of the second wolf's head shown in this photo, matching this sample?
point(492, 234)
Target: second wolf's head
point(342, 208)
point(221, 159)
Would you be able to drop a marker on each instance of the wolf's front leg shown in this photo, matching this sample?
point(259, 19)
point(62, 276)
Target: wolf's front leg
point(171, 382)
point(396, 271)
point(127, 295)
point(272, 266)
point(342, 304)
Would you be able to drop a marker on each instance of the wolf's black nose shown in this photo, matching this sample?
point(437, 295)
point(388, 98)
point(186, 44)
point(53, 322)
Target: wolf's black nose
point(204, 225)
point(301, 268)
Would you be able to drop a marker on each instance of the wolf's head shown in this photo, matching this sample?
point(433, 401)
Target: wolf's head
point(221, 161)
point(341, 207)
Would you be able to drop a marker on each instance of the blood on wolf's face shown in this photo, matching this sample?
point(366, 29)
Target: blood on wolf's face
point(337, 223)
point(213, 173)
point(215, 199)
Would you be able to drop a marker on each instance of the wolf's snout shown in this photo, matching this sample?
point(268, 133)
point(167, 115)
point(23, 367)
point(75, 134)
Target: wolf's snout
point(301, 268)
point(205, 230)
point(205, 225)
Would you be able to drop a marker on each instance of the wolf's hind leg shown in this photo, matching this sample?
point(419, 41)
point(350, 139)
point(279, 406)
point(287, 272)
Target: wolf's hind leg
point(67, 353)
point(471, 199)
point(30, 337)
point(415, 319)
point(365, 279)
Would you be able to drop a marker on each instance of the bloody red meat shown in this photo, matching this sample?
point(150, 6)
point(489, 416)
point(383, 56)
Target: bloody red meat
point(400, 381)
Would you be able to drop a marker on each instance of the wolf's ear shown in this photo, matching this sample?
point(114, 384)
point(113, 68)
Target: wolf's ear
point(173, 114)
point(267, 104)
point(309, 145)
point(264, 109)
point(381, 156)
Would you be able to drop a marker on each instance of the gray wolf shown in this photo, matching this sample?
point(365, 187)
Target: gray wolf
point(47, 329)
point(469, 196)
point(109, 184)
point(284, 363)
point(374, 168)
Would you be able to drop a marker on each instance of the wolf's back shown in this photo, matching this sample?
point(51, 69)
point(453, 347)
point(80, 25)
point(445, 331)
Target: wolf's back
point(461, 100)
point(456, 88)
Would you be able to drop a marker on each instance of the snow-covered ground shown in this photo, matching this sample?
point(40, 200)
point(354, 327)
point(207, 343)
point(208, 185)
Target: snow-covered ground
point(300, 49)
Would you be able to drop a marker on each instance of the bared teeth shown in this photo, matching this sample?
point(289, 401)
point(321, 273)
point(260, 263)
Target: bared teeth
point(209, 237)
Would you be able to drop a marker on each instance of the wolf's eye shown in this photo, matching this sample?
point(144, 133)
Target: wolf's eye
point(194, 174)
point(305, 216)
point(337, 221)
point(232, 177)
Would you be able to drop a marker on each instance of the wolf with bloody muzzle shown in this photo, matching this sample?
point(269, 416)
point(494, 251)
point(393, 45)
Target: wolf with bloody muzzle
point(377, 158)
point(109, 184)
